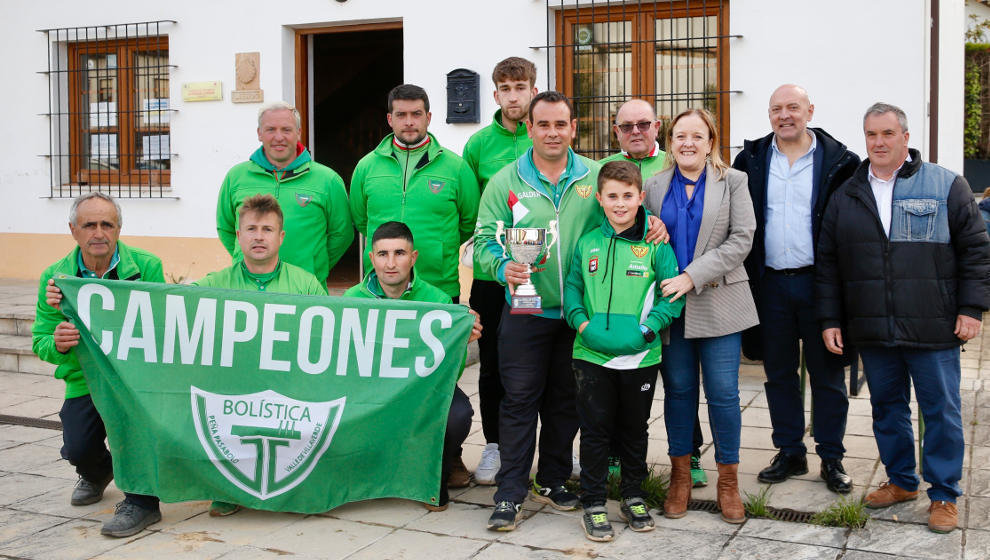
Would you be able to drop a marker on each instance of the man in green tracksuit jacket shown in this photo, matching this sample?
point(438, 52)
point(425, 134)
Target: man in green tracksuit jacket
point(259, 237)
point(410, 178)
point(636, 128)
point(394, 277)
point(614, 302)
point(487, 152)
point(94, 221)
point(318, 225)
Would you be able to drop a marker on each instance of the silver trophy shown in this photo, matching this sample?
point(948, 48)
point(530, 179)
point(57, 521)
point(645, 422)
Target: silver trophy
point(526, 246)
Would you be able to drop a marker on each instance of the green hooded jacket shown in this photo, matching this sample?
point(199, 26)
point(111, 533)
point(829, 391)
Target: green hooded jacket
point(317, 225)
point(439, 204)
point(134, 264)
point(519, 196)
point(287, 279)
point(648, 166)
point(492, 148)
point(418, 290)
point(614, 283)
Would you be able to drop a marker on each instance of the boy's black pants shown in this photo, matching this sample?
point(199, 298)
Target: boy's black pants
point(613, 405)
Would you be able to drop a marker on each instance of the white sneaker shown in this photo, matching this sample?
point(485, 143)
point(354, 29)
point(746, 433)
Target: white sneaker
point(488, 466)
point(575, 467)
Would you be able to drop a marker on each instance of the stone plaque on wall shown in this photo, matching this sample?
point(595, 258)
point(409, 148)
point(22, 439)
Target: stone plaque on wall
point(247, 71)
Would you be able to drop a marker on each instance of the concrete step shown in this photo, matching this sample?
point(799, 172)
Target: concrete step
point(16, 319)
point(16, 356)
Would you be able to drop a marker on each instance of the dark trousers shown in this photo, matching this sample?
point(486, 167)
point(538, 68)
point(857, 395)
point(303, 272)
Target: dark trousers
point(935, 373)
point(83, 434)
point(536, 373)
point(787, 315)
point(614, 406)
point(488, 299)
point(458, 426)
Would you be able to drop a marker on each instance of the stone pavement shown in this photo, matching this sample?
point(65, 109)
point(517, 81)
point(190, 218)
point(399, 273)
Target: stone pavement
point(36, 520)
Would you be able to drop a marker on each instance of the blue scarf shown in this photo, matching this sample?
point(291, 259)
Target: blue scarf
point(682, 215)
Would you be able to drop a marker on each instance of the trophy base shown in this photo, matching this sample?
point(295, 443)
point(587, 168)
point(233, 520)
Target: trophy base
point(526, 305)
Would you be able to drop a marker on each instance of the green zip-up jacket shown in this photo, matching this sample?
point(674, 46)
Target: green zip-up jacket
point(614, 283)
point(317, 226)
point(134, 264)
point(648, 166)
point(519, 196)
point(287, 279)
point(418, 290)
point(439, 204)
point(492, 148)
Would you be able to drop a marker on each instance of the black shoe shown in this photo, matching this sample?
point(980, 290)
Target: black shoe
point(88, 492)
point(130, 519)
point(634, 512)
point(557, 497)
point(504, 517)
point(596, 525)
point(835, 476)
point(784, 466)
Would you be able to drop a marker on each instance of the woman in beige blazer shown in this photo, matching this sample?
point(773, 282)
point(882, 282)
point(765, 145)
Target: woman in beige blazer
point(707, 210)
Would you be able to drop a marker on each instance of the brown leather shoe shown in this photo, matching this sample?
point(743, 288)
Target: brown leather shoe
point(459, 475)
point(679, 491)
point(887, 495)
point(728, 499)
point(943, 517)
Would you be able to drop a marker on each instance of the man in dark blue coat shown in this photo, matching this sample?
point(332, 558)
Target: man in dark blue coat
point(792, 173)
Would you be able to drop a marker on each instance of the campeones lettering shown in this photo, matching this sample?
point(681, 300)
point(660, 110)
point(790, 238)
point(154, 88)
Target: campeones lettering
point(270, 336)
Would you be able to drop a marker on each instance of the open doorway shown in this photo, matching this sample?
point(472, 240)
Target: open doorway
point(344, 75)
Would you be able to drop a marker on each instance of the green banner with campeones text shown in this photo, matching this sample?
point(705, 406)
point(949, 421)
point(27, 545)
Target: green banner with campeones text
point(272, 401)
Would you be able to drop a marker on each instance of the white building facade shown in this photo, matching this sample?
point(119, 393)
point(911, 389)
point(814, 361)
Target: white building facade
point(87, 109)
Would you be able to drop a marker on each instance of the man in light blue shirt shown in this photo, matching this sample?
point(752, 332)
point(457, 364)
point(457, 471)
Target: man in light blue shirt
point(792, 173)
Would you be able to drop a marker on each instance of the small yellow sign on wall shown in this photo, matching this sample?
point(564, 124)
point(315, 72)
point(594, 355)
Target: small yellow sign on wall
point(202, 91)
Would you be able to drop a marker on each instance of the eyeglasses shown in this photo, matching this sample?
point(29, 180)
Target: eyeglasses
point(642, 126)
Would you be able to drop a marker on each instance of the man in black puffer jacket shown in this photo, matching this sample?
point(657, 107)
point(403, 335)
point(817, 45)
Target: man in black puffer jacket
point(903, 266)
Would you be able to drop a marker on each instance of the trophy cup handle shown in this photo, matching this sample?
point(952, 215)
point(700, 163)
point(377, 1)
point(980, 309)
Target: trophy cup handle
point(552, 230)
point(499, 232)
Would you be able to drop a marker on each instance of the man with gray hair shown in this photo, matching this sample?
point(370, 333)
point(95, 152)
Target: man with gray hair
point(903, 273)
point(318, 226)
point(94, 222)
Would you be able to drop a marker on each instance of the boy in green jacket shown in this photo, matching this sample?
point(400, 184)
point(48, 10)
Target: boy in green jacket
point(613, 300)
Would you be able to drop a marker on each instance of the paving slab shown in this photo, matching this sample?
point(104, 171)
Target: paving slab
point(697, 522)
point(545, 530)
point(19, 486)
point(800, 533)
point(15, 524)
point(502, 551)
point(905, 539)
point(255, 553)
point(977, 545)
point(322, 537)
point(460, 520)
point(173, 546)
point(26, 458)
point(77, 538)
point(413, 545)
point(243, 528)
point(749, 548)
point(666, 543)
point(392, 512)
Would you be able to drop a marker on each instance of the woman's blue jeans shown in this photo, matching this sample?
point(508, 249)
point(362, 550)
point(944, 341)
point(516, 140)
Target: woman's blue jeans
point(719, 360)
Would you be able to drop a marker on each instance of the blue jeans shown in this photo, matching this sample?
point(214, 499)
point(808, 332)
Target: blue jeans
point(889, 373)
point(719, 361)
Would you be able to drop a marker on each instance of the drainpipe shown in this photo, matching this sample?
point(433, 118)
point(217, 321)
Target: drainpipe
point(933, 85)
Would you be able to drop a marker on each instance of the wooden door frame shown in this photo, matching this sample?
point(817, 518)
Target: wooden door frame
point(302, 62)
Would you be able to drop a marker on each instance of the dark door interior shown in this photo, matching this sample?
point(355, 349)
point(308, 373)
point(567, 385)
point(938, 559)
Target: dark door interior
point(352, 74)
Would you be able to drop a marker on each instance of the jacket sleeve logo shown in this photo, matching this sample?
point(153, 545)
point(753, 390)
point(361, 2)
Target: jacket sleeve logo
point(264, 443)
point(436, 185)
point(640, 251)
